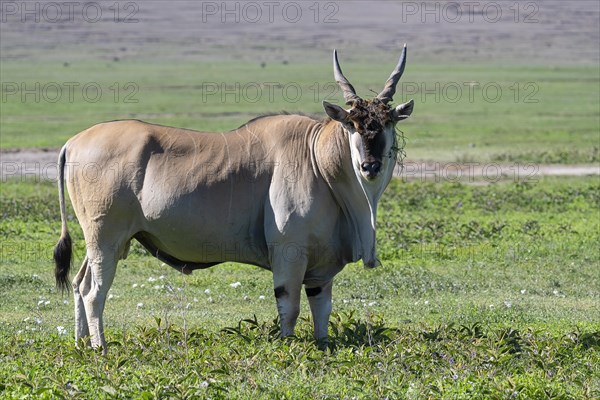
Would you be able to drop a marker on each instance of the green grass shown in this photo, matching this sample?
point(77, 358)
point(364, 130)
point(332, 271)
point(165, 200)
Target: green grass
point(542, 114)
point(485, 292)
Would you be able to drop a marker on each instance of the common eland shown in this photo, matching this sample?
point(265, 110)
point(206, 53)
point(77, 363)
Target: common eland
point(288, 193)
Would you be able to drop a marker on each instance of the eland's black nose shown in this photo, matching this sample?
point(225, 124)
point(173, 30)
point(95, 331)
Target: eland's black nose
point(371, 167)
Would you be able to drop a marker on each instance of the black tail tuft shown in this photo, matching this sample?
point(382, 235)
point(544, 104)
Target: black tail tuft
point(63, 253)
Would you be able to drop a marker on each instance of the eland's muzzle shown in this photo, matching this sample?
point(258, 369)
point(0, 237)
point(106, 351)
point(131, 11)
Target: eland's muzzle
point(371, 168)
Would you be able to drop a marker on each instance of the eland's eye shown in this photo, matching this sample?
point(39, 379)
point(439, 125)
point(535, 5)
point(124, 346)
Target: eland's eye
point(359, 128)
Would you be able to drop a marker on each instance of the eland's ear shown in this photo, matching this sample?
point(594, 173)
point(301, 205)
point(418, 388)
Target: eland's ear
point(336, 113)
point(403, 111)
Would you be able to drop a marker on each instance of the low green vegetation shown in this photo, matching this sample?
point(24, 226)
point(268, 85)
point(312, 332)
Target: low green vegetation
point(463, 112)
point(486, 291)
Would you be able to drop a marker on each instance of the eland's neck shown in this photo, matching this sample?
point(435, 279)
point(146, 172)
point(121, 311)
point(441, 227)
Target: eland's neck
point(333, 157)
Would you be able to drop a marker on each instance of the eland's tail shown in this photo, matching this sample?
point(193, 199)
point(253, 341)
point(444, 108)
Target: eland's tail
point(64, 248)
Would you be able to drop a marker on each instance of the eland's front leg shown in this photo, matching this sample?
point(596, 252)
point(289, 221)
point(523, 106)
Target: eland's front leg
point(319, 298)
point(288, 285)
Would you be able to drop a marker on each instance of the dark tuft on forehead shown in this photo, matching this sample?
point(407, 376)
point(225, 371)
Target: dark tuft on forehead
point(370, 116)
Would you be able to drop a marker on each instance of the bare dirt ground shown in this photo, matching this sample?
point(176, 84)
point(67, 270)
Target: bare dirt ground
point(41, 164)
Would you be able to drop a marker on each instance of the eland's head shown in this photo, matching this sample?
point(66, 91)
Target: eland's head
point(370, 124)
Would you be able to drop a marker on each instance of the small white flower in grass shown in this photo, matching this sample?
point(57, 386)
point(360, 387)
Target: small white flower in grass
point(246, 298)
point(195, 299)
point(261, 297)
point(523, 291)
point(140, 305)
point(110, 297)
point(371, 304)
point(426, 302)
point(157, 287)
point(151, 279)
point(210, 300)
point(236, 284)
point(65, 301)
point(38, 320)
point(491, 306)
point(134, 285)
point(61, 330)
point(142, 285)
point(47, 302)
point(207, 291)
point(204, 384)
point(163, 264)
point(507, 304)
point(41, 303)
point(35, 276)
point(161, 277)
point(19, 332)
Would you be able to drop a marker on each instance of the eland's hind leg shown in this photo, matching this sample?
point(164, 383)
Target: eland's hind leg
point(97, 279)
point(81, 324)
